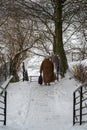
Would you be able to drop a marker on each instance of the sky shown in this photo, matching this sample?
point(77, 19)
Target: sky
point(31, 106)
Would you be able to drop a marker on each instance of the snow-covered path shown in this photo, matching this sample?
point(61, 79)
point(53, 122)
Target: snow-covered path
point(35, 107)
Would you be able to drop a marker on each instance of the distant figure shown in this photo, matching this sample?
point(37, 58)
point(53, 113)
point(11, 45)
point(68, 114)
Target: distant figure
point(55, 60)
point(47, 68)
point(25, 74)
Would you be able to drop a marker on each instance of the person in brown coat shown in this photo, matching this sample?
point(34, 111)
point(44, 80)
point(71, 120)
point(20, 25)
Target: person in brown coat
point(47, 68)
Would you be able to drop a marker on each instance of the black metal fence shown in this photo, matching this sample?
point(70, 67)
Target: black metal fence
point(80, 105)
point(4, 72)
point(3, 100)
point(3, 104)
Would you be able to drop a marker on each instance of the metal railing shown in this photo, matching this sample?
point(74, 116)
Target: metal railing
point(3, 105)
point(33, 78)
point(80, 105)
point(3, 101)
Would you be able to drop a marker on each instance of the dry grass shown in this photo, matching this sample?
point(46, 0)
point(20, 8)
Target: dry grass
point(80, 72)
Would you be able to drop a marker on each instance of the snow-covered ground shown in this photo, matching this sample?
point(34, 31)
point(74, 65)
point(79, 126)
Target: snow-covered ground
point(34, 107)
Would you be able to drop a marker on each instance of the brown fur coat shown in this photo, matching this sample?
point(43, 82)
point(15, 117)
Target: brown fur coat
point(47, 68)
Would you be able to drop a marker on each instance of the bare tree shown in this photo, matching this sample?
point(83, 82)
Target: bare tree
point(18, 38)
point(74, 26)
point(61, 14)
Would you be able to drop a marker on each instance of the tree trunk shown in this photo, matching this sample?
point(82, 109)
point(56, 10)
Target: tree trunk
point(13, 69)
point(58, 40)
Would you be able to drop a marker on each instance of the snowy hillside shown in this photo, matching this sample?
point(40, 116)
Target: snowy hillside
point(35, 107)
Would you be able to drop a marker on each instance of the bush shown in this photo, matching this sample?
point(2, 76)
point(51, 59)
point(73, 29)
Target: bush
point(80, 72)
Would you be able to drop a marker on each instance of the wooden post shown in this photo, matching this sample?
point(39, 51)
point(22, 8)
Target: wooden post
point(30, 78)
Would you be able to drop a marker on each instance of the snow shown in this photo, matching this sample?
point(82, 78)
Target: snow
point(31, 106)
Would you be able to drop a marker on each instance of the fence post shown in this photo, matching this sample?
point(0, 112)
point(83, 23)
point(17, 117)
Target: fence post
point(5, 107)
point(30, 78)
point(80, 105)
point(74, 108)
